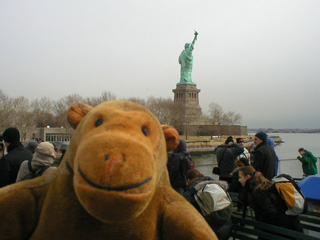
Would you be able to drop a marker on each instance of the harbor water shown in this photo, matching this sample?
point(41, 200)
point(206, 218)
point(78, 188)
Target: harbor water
point(287, 152)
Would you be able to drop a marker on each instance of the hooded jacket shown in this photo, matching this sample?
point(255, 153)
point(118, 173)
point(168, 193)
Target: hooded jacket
point(43, 156)
point(178, 165)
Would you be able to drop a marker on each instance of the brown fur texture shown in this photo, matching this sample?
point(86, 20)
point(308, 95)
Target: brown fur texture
point(112, 184)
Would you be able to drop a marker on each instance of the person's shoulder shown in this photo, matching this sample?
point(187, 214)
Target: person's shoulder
point(260, 194)
point(222, 146)
point(25, 163)
point(262, 147)
point(309, 153)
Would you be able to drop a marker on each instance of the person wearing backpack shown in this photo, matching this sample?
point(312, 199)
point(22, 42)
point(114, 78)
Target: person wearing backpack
point(266, 202)
point(220, 220)
point(309, 162)
point(226, 156)
point(40, 164)
point(178, 165)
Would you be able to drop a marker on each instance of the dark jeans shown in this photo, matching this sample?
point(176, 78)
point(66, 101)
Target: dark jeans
point(223, 231)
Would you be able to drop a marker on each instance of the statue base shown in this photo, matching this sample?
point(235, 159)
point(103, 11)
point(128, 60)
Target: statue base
point(186, 83)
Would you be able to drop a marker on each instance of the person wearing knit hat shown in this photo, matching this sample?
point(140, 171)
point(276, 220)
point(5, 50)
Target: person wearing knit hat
point(11, 135)
point(31, 146)
point(17, 153)
point(262, 136)
point(44, 156)
point(264, 156)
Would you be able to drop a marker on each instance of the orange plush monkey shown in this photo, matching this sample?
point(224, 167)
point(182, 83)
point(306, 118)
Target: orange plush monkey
point(112, 184)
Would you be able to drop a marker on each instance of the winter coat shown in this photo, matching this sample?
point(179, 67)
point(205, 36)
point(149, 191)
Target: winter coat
point(17, 153)
point(265, 160)
point(222, 231)
point(190, 191)
point(4, 172)
point(269, 208)
point(309, 163)
point(24, 169)
point(226, 156)
point(178, 166)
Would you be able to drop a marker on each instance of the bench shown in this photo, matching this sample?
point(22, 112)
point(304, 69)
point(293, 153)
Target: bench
point(310, 221)
point(244, 228)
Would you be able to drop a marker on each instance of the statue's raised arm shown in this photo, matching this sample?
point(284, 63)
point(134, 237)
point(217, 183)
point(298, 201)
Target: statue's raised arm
point(195, 37)
point(186, 62)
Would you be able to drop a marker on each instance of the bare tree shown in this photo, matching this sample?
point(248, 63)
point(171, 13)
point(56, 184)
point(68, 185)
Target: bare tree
point(137, 100)
point(42, 112)
point(22, 117)
point(92, 101)
point(60, 113)
point(6, 111)
point(61, 107)
point(162, 108)
point(105, 97)
point(234, 118)
point(72, 99)
point(219, 117)
point(216, 113)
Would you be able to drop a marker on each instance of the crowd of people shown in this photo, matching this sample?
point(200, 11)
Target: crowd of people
point(18, 161)
point(249, 173)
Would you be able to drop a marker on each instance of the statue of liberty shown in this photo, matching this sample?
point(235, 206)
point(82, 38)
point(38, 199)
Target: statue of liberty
point(186, 62)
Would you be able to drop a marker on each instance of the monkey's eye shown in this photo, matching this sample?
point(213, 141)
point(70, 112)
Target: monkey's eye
point(98, 122)
point(145, 131)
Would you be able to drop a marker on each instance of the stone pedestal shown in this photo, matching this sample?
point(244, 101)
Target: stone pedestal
point(188, 96)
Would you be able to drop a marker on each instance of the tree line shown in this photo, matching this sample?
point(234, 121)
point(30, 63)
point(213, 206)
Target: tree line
point(23, 113)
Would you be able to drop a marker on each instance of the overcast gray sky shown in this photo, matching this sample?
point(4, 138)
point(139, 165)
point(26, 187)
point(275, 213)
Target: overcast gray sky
point(258, 58)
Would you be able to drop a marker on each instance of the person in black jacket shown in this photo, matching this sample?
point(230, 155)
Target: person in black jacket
point(17, 153)
point(178, 166)
point(266, 202)
point(1, 149)
point(264, 156)
point(226, 156)
point(235, 185)
point(194, 177)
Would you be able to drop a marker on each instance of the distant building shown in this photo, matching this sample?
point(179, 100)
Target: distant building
point(46, 134)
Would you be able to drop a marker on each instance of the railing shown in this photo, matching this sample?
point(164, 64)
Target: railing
point(294, 162)
point(290, 166)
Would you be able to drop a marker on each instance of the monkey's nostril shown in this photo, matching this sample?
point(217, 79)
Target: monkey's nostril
point(106, 158)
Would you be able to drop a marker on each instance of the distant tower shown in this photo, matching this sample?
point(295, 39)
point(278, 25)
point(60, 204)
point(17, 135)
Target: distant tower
point(188, 96)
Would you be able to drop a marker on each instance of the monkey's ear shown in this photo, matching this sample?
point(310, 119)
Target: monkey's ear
point(76, 112)
point(172, 137)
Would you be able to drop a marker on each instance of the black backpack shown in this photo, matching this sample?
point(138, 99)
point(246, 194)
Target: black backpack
point(33, 173)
